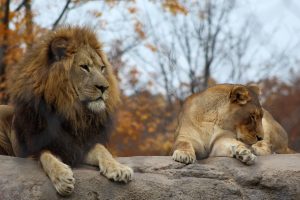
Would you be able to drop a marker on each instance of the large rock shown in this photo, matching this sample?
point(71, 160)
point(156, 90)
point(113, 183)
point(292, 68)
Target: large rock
point(272, 177)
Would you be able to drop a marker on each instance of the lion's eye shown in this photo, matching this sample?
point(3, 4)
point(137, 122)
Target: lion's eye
point(252, 119)
point(85, 68)
point(102, 68)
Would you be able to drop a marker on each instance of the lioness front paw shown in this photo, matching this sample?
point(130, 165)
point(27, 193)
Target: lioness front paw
point(117, 172)
point(244, 154)
point(184, 156)
point(261, 149)
point(63, 180)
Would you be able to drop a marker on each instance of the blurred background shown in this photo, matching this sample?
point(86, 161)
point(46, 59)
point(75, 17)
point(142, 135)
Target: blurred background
point(164, 50)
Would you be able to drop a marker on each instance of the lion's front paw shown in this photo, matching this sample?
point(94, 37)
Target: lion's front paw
point(117, 172)
point(63, 180)
point(244, 155)
point(184, 156)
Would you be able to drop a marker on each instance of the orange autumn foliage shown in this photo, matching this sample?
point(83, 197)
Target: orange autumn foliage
point(175, 7)
point(145, 125)
point(146, 122)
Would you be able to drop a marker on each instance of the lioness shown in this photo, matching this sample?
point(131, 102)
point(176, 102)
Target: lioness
point(225, 120)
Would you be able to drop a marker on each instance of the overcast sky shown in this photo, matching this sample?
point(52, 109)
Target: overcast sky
point(276, 20)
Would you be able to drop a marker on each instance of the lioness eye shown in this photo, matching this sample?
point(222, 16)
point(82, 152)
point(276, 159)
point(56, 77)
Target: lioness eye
point(102, 68)
point(85, 67)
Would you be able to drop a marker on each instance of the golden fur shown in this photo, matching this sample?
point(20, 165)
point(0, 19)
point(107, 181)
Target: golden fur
point(224, 120)
point(64, 93)
point(275, 138)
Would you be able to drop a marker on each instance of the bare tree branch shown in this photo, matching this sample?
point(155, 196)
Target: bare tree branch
point(20, 6)
point(61, 14)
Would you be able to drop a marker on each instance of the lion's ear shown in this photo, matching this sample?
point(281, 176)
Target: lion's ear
point(59, 48)
point(239, 95)
point(254, 88)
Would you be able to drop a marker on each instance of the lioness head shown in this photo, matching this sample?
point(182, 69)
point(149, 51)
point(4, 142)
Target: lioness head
point(239, 110)
point(243, 113)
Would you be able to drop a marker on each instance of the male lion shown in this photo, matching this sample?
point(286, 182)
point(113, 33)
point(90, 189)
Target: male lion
point(225, 120)
point(64, 93)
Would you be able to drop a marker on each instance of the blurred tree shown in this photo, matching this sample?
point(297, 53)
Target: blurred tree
point(159, 60)
point(195, 37)
point(16, 33)
point(144, 125)
point(4, 30)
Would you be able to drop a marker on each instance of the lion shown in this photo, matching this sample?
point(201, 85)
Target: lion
point(64, 94)
point(226, 120)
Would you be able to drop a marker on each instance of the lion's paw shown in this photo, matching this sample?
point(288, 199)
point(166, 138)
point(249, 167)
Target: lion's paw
point(63, 180)
point(245, 155)
point(184, 156)
point(117, 172)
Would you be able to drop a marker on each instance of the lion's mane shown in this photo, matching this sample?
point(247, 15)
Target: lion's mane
point(48, 114)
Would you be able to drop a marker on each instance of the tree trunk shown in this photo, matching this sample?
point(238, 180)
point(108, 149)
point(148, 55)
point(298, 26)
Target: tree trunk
point(3, 46)
point(29, 23)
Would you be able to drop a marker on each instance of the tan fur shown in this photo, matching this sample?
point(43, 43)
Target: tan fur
point(59, 173)
point(109, 167)
point(66, 84)
point(275, 138)
point(221, 121)
point(225, 120)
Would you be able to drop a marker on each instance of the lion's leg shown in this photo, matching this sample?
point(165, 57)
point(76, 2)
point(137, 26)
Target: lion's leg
point(184, 151)
point(7, 141)
point(4, 144)
point(262, 148)
point(59, 173)
point(229, 147)
point(7, 136)
point(109, 167)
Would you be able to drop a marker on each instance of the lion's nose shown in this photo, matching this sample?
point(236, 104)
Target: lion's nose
point(102, 88)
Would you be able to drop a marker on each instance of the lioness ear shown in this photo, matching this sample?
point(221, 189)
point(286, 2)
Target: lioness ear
point(254, 88)
point(239, 95)
point(59, 48)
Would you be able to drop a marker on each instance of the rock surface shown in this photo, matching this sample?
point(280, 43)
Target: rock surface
point(272, 177)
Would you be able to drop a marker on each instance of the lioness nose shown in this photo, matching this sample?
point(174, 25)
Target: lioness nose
point(102, 88)
point(259, 138)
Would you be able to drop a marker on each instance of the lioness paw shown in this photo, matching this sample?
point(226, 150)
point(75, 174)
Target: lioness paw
point(244, 155)
point(117, 172)
point(261, 149)
point(63, 180)
point(184, 156)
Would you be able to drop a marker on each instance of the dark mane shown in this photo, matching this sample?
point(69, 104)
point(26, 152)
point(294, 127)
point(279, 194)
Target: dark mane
point(43, 128)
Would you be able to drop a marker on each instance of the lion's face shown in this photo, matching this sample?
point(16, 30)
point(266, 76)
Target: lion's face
point(88, 74)
point(243, 114)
